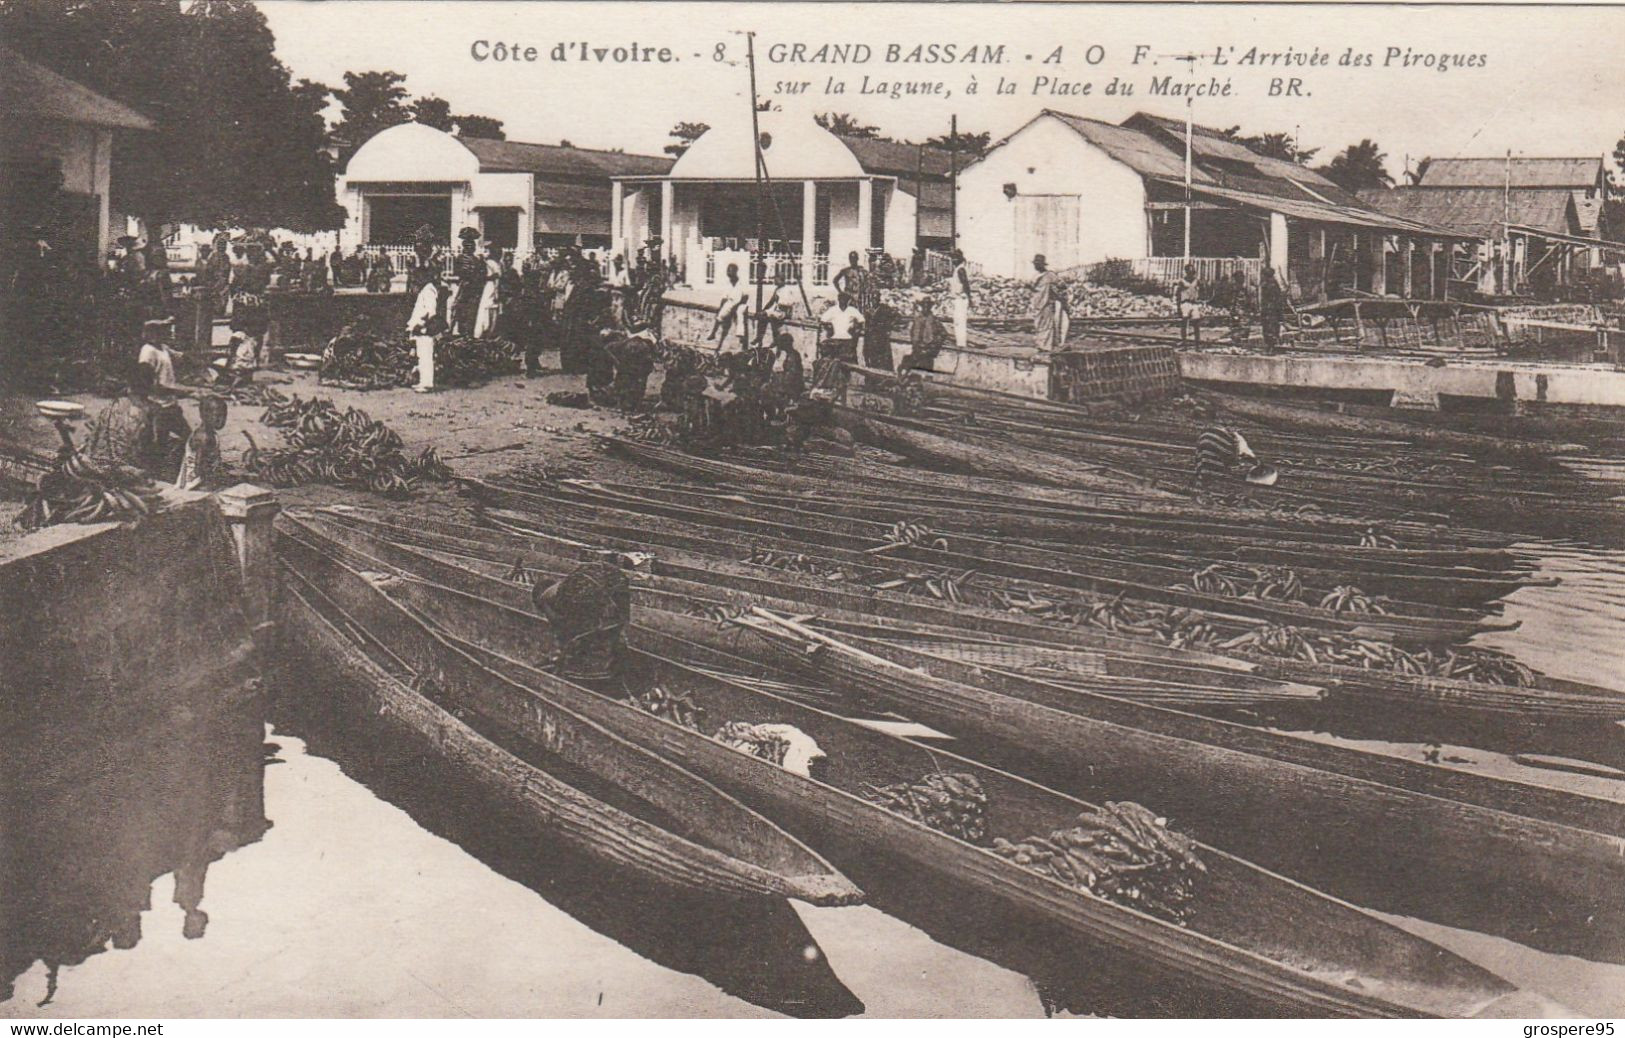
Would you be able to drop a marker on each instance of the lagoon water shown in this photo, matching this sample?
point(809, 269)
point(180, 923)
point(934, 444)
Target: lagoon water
point(247, 864)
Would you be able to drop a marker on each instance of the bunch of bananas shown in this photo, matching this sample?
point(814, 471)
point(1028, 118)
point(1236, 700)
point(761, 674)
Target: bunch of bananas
point(1277, 584)
point(756, 740)
point(1487, 666)
point(354, 359)
point(76, 492)
point(914, 533)
point(679, 708)
point(1123, 853)
point(950, 802)
point(1372, 539)
point(945, 587)
point(1346, 598)
point(344, 449)
point(791, 562)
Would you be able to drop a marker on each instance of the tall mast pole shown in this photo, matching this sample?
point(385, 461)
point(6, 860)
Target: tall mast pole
point(756, 148)
point(953, 183)
point(1506, 227)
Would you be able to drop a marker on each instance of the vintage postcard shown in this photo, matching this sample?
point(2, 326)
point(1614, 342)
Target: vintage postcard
point(519, 510)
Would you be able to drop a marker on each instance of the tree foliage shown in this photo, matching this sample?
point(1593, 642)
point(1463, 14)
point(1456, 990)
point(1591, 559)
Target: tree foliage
point(843, 124)
point(370, 102)
point(968, 145)
point(1358, 167)
point(1271, 145)
point(683, 135)
point(237, 142)
point(434, 111)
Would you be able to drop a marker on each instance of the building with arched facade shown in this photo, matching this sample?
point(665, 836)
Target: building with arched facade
point(520, 196)
point(825, 196)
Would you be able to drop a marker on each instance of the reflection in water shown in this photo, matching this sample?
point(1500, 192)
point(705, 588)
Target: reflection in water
point(87, 833)
point(759, 951)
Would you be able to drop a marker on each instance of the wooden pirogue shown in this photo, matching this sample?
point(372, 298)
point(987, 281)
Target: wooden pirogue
point(1098, 572)
point(1548, 697)
point(1440, 544)
point(1454, 704)
point(1037, 566)
point(1252, 943)
point(666, 825)
point(1410, 834)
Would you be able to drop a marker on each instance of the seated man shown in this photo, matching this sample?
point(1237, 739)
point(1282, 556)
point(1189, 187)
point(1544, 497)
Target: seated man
point(1220, 451)
point(588, 611)
point(133, 435)
point(599, 362)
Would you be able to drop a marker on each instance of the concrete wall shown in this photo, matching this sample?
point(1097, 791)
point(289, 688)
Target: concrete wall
point(118, 625)
point(1048, 158)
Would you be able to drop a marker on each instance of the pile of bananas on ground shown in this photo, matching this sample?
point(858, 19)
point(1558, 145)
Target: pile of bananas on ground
point(650, 428)
point(342, 449)
point(1488, 666)
point(950, 802)
point(678, 707)
point(354, 359)
point(1123, 853)
point(1268, 583)
point(76, 492)
point(906, 532)
point(791, 562)
point(1346, 598)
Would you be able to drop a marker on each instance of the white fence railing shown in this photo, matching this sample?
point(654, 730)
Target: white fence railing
point(1169, 271)
point(759, 269)
point(941, 264)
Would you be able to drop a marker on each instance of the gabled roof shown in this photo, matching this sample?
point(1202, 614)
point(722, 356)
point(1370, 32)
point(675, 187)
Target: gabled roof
point(901, 159)
point(1132, 148)
point(1526, 172)
point(34, 91)
point(559, 160)
point(1480, 211)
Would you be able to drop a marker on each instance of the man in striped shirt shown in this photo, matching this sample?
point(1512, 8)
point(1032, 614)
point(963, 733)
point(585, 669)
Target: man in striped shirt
point(1220, 449)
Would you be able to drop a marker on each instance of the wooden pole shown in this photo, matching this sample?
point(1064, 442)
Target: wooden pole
point(756, 149)
point(953, 180)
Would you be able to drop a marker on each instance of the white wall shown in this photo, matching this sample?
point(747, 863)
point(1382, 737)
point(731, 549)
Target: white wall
point(1048, 158)
point(900, 225)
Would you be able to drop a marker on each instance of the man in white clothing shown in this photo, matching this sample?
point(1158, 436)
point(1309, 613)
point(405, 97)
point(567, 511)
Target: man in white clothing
point(428, 320)
point(731, 310)
point(959, 291)
point(157, 353)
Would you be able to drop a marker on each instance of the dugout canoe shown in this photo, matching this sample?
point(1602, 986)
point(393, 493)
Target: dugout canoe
point(1337, 816)
point(1254, 943)
point(1066, 539)
point(666, 824)
point(584, 500)
point(1562, 712)
point(816, 473)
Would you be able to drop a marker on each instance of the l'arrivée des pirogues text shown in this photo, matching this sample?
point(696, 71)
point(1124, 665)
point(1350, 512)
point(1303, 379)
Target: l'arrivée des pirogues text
point(1395, 56)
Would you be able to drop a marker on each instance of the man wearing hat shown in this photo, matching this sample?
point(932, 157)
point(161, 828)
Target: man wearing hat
point(423, 260)
point(426, 323)
point(1048, 307)
point(469, 271)
point(158, 353)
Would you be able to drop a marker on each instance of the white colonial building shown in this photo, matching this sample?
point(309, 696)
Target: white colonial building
point(828, 196)
point(521, 196)
point(1081, 191)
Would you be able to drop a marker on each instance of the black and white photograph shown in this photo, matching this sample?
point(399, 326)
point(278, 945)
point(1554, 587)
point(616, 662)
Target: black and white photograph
point(670, 510)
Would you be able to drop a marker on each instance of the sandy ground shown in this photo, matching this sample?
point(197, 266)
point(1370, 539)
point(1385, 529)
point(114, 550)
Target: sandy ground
point(505, 425)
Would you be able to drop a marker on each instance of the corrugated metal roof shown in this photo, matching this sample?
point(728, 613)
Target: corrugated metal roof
point(519, 157)
point(1479, 211)
point(1132, 148)
point(31, 90)
point(551, 194)
point(1526, 172)
point(899, 158)
point(938, 194)
point(1325, 213)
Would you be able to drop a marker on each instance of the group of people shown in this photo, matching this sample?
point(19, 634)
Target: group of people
point(1236, 298)
point(144, 430)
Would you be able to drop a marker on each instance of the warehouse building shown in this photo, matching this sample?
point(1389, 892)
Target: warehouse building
point(1536, 223)
point(521, 196)
point(1082, 191)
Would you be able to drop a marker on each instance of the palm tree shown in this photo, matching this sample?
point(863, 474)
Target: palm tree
point(1359, 166)
point(844, 125)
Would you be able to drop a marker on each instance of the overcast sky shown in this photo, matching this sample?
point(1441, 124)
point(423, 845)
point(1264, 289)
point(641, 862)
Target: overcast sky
point(1553, 82)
